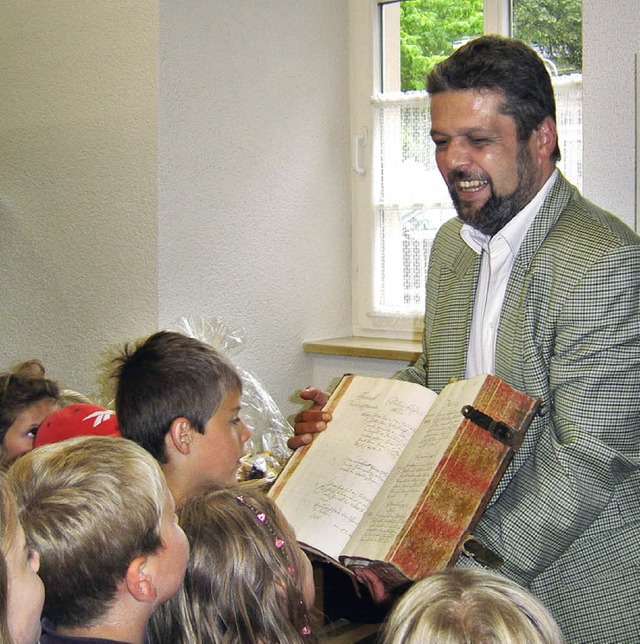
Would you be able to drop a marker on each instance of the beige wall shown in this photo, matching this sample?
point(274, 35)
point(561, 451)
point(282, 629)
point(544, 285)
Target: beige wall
point(153, 163)
point(78, 224)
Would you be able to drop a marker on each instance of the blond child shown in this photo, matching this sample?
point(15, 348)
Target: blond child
point(180, 399)
point(247, 579)
point(21, 590)
point(99, 513)
point(469, 606)
point(27, 397)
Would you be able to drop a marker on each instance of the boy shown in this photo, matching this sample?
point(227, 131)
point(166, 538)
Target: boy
point(98, 512)
point(179, 399)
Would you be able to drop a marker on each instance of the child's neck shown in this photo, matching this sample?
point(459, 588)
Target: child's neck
point(118, 632)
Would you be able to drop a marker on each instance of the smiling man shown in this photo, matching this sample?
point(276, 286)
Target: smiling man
point(539, 286)
point(535, 284)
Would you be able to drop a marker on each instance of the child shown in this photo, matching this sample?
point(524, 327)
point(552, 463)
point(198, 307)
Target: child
point(469, 605)
point(247, 579)
point(21, 591)
point(98, 511)
point(26, 399)
point(180, 399)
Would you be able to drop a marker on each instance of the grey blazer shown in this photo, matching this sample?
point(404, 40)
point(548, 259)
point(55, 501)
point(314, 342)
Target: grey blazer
point(566, 516)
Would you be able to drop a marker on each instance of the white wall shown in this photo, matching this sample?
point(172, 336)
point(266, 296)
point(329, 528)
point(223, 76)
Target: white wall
point(77, 180)
point(162, 158)
point(254, 207)
point(611, 42)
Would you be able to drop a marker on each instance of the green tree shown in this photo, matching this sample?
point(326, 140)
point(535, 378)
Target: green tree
point(554, 27)
point(430, 30)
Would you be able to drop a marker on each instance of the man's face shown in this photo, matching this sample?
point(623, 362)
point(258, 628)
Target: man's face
point(491, 175)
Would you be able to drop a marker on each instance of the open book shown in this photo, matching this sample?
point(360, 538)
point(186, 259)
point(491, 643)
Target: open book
point(401, 475)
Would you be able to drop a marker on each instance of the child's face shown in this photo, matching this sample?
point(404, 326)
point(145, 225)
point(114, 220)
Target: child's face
point(25, 591)
point(19, 437)
point(173, 556)
point(217, 452)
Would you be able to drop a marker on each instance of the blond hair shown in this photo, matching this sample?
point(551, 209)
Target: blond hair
point(470, 606)
point(240, 586)
point(8, 527)
point(89, 506)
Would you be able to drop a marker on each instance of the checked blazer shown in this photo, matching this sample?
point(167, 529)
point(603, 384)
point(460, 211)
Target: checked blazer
point(566, 515)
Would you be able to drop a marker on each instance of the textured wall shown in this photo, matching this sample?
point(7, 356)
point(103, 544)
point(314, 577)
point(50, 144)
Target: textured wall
point(611, 44)
point(77, 180)
point(254, 213)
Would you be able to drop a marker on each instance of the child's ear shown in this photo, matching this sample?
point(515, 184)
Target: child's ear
point(139, 581)
point(180, 435)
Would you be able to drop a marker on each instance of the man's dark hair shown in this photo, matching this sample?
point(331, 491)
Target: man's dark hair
point(164, 377)
point(505, 65)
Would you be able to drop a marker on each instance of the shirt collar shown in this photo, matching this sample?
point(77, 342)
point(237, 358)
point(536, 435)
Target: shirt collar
point(516, 229)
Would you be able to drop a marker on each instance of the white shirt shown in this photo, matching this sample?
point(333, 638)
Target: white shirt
point(498, 255)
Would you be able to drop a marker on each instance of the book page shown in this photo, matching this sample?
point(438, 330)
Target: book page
point(415, 468)
point(333, 485)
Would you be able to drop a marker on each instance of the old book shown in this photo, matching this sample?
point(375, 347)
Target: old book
point(401, 475)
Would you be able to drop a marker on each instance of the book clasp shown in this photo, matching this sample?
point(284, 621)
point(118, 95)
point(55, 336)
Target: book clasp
point(499, 430)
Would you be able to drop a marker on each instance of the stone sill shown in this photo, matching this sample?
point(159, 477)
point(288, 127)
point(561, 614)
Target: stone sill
point(365, 347)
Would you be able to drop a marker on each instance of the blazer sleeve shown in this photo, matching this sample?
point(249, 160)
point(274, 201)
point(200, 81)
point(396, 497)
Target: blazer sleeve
point(588, 444)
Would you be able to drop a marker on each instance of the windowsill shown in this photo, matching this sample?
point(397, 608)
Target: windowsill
point(365, 347)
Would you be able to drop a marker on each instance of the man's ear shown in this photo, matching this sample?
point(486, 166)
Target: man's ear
point(179, 436)
point(139, 581)
point(546, 136)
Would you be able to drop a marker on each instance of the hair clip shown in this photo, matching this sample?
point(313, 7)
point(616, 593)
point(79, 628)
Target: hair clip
point(279, 542)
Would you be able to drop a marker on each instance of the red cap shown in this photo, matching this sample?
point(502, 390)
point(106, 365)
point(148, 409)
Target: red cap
point(84, 419)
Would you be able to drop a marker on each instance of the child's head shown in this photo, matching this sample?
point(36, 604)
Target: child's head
point(82, 419)
point(21, 590)
point(98, 511)
point(247, 579)
point(26, 399)
point(174, 392)
point(469, 605)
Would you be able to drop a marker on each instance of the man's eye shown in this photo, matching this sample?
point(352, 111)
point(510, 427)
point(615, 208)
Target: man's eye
point(479, 142)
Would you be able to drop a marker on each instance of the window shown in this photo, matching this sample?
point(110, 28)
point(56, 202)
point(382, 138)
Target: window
point(399, 198)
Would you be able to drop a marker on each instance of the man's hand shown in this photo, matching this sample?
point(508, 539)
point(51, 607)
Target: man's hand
point(311, 420)
point(374, 584)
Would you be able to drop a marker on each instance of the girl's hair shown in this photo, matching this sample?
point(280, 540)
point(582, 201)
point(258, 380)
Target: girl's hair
point(243, 581)
point(465, 606)
point(8, 527)
point(24, 385)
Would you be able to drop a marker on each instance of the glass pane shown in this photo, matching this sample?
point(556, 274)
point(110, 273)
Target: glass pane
point(411, 198)
point(417, 34)
point(554, 29)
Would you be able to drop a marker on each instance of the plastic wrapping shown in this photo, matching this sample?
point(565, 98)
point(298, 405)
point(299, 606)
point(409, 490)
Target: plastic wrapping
point(267, 449)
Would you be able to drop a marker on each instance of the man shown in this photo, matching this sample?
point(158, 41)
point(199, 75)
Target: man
point(535, 284)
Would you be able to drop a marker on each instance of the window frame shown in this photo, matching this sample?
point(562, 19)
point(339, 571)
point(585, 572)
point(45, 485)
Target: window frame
point(365, 82)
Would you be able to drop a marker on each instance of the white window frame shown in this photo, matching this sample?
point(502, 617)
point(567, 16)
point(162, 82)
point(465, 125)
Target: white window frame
point(364, 83)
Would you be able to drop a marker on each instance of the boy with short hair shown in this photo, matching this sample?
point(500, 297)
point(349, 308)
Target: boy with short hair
point(180, 399)
point(98, 512)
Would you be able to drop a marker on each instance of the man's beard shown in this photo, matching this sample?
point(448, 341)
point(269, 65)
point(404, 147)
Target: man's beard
point(498, 211)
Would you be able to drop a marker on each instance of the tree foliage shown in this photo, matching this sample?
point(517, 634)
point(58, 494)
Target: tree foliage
point(431, 29)
point(554, 27)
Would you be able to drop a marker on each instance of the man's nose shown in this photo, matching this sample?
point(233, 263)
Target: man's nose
point(456, 155)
